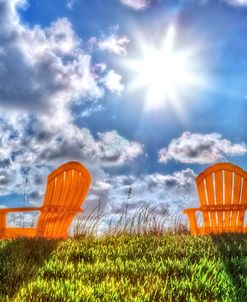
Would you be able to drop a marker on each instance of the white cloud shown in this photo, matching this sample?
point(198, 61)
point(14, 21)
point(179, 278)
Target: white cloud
point(30, 144)
point(113, 44)
point(91, 110)
point(200, 148)
point(112, 81)
point(237, 2)
point(70, 3)
point(114, 148)
point(53, 70)
point(177, 190)
point(136, 4)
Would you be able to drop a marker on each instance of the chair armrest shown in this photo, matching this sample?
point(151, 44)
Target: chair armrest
point(4, 212)
point(9, 210)
point(191, 212)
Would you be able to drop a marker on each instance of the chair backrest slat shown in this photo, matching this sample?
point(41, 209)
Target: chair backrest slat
point(218, 176)
point(223, 185)
point(76, 178)
point(203, 198)
point(58, 188)
point(228, 197)
point(211, 201)
point(236, 199)
point(77, 195)
point(237, 188)
point(243, 201)
point(67, 187)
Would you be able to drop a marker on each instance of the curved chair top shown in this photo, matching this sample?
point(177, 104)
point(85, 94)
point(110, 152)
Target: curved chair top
point(221, 167)
point(72, 165)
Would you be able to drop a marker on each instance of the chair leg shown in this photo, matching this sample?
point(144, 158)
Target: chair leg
point(2, 224)
point(193, 223)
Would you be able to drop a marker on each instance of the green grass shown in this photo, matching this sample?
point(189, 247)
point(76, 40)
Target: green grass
point(125, 268)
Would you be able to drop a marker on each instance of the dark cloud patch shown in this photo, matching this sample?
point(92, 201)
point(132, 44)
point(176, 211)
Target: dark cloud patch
point(5, 163)
point(34, 197)
point(171, 183)
point(4, 178)
point(39, 180)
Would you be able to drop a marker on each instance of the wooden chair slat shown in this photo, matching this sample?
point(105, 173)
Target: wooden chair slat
point(227, 197)
point(203, 199)
point(243, 201)
point(211, 201)
point(76, 181)
point(236, 199)
point(218, 176)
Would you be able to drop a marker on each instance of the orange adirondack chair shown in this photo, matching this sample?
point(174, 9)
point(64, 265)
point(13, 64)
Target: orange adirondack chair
point(67, 187)
point(222, 190)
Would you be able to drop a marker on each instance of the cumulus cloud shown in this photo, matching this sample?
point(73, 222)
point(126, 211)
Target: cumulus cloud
point(42, 69)
point(136, 4)
point(113, 44)
point(29, 145)
point(112, 81)
point(177, 190)
point(114, 148)
point(200, 148)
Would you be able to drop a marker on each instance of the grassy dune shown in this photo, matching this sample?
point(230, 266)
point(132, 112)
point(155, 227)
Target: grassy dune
point(125, 268)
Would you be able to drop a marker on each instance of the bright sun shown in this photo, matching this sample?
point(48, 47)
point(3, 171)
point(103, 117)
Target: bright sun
point(165, 72)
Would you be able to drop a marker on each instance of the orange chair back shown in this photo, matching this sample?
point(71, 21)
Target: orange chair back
point(66, 189)
point(222, 190)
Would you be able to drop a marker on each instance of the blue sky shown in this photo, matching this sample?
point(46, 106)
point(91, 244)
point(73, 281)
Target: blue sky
point(68, 91)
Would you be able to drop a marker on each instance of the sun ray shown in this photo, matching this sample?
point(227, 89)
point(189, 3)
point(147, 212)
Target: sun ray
point(165, 72)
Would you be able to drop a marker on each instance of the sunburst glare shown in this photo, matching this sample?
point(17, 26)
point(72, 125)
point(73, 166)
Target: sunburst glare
point(166, 72)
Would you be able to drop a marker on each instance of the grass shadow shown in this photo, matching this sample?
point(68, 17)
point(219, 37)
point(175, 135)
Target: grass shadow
point(232, 250)
point(20, 259)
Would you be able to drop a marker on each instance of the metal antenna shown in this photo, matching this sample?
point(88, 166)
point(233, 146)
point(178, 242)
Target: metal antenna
point(129, 194)
point(25, 186)
point(126, 208)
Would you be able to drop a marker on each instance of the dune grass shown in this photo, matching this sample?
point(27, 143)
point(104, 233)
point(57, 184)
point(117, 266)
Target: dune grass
point(127, 267)
point(146, 255)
